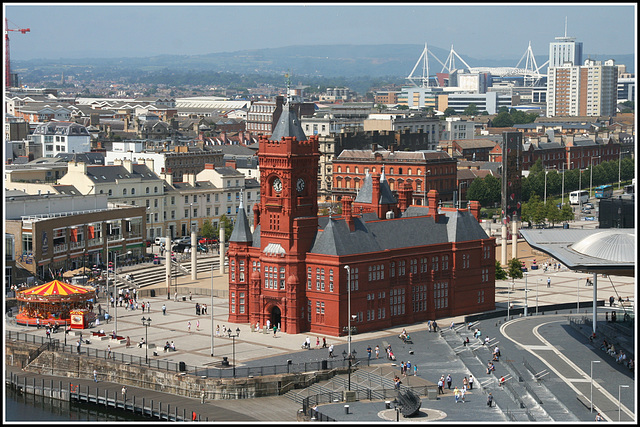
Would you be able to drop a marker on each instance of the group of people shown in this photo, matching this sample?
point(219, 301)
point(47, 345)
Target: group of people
point(490, 368)
point(201, 309)
point(169, 346)
point(432, 325)
point(405, 368)
point(496, 354)
point(619, 355)
point(459, 393)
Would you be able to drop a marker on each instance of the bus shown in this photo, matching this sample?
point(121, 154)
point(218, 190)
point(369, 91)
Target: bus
point(604, 192)
point(578, 197)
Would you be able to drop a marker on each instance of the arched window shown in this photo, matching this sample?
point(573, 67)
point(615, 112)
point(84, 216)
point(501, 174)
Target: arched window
point(146, 190)
point(155, 189)
point(124, 191)
point(133, 191)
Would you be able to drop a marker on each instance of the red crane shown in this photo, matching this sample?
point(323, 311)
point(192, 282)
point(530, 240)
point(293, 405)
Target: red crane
point(6, 40)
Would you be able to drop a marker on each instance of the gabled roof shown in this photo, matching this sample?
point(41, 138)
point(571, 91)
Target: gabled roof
point(241, 230)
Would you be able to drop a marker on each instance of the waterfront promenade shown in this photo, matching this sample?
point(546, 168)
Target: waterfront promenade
point(430, 351)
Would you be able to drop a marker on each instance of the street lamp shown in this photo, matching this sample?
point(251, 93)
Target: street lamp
point(562, 202)
point(591, 398)
point(620, 403)
point(546, 171)
point(146, 323)
point(211, 310)
point(397, 406)
point(349, 357)
point(526, 290)
point(591, 171)
point(234, 336)
point(115, 287)
point(346, 267)
point(537, 297)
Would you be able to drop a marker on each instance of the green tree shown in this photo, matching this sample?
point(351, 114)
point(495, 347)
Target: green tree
point(503, 119)
point(501, 274)
point(471, 110)
point(566, 212)
point(553, 213)
point(450, 111)
point(227, 224)
point(514, 269)
point(207, 230)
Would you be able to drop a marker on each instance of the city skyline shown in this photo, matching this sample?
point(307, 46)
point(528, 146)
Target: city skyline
point(140, 30)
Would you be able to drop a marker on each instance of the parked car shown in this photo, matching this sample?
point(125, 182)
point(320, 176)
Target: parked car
point(182, 240)
point(180, 248)
point(207, 240)
point(588, 205)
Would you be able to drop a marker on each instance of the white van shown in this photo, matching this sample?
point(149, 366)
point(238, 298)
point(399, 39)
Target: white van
point(161, 240)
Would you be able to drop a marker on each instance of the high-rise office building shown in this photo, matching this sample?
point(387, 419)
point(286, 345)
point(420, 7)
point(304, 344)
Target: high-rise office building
point(565, 49)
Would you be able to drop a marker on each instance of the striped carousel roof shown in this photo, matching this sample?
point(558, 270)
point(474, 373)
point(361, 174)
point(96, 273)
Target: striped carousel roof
point(56, 288)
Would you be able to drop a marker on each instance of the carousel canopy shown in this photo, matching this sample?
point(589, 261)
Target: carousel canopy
point(57, 288)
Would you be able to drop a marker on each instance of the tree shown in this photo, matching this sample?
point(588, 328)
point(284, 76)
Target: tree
point(450, 111)
point(515, 269)
point(207, 230)
point(501, 274)
point(471, 110)
point(227, 224)
point(503, 119)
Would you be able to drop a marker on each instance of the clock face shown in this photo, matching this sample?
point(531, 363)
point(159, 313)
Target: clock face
point(277, 185)
point(300, 185)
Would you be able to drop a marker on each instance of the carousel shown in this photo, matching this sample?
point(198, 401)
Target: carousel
point(56, 303)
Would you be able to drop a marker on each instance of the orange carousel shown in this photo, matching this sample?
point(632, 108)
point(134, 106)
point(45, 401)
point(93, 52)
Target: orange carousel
point(56, 303)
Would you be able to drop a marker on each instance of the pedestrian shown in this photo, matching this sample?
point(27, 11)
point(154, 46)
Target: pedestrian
point(189, 326)
point(124, 393)
point(369, 352)
point(456, 394)
point(142, 306)
point(377, 351)
point(175, 296)
point(470, 381)
point(435, 326)
point(109, 351)
point(611, 301)
point(415, 370)
point(548, 282)
point(268, 324)
point(128, 342)
point(324, 342)
point(78, 346)
point(465, 383)
point(275, 329)
point(331, 351)
point(407, 368)
point(449, 381)
point(317, 342)
point(489, 400)
point(198, 325)
point(95, 375)
point(148, 307)
point(440, 386)
point(218, 330)
point(599, 417)
point(463, 391)
point(190, 297)
point(164, 310)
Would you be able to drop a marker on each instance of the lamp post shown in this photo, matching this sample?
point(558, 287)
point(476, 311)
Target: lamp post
point(620, 168)
point(591, 171)
point(508, 303)
point(526, 290)
point(146, 323)
point(591, 398)
point(397, 406)
point(348, 268)
point(537, 297)
point(620, 403)
point(350, 356)
point(234, 336)
point(115, 287)
point(546, 171)
point(211, 310)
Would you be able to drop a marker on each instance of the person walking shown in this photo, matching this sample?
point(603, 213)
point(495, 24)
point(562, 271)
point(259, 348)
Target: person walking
point(164, 310)
point(324, 342)
point(449, 381)
point(331, 351)
point(198, 325)
point(317, 342)
point(109, 351)
point(124, 393)
point(489, 400)
point(95, 375)
point(377, 351)
point(470, 381)
point(548, 282)
point(175, 297)
point(78, 344)
point(440, 386)
point(189, 326)
point(275, 329)
point(369, 352)
point(456, 394)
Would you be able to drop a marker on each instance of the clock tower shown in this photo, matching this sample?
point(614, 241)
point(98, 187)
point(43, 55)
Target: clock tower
point(286, 219)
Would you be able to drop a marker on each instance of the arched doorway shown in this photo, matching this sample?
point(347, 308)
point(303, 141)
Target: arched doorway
point(275, 316)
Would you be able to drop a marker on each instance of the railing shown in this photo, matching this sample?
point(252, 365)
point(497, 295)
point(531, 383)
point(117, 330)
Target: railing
point(60, 248)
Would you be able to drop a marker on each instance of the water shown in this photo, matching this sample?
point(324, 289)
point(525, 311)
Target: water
point(26, 407)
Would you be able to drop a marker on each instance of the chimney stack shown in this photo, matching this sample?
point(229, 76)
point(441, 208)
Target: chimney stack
point(347, 213)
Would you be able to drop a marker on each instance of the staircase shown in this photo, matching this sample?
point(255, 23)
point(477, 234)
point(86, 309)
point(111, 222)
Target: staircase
point(151, 275)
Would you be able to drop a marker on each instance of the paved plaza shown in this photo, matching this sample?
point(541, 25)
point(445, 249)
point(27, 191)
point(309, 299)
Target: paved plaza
point(435, 354)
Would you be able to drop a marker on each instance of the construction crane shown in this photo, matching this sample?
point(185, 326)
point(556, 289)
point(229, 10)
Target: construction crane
point(6, 39)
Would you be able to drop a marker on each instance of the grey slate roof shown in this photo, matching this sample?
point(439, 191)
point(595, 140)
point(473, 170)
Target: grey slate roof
point(288, 125)
point(366, 192)
point(113, 172)
point(409, 231)
point(241, 230)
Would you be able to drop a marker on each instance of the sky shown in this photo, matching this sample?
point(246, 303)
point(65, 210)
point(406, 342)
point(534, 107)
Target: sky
point(480, 30)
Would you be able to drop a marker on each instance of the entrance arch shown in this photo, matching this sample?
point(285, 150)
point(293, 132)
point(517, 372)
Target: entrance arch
point(275, 316)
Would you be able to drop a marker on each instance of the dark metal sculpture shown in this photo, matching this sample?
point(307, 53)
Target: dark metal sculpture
point(408, 402)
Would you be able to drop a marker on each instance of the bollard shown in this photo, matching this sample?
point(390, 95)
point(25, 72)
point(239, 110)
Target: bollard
point(346, 409)
point(387, 404)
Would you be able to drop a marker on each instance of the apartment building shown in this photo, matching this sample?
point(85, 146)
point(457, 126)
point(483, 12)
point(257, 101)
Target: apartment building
point(583, 90)
point(61, 137)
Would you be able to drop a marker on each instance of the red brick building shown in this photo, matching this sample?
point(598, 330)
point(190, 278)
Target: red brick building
point(406, 263)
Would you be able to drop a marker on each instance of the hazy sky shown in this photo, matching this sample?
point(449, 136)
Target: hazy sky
point(481, 30)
